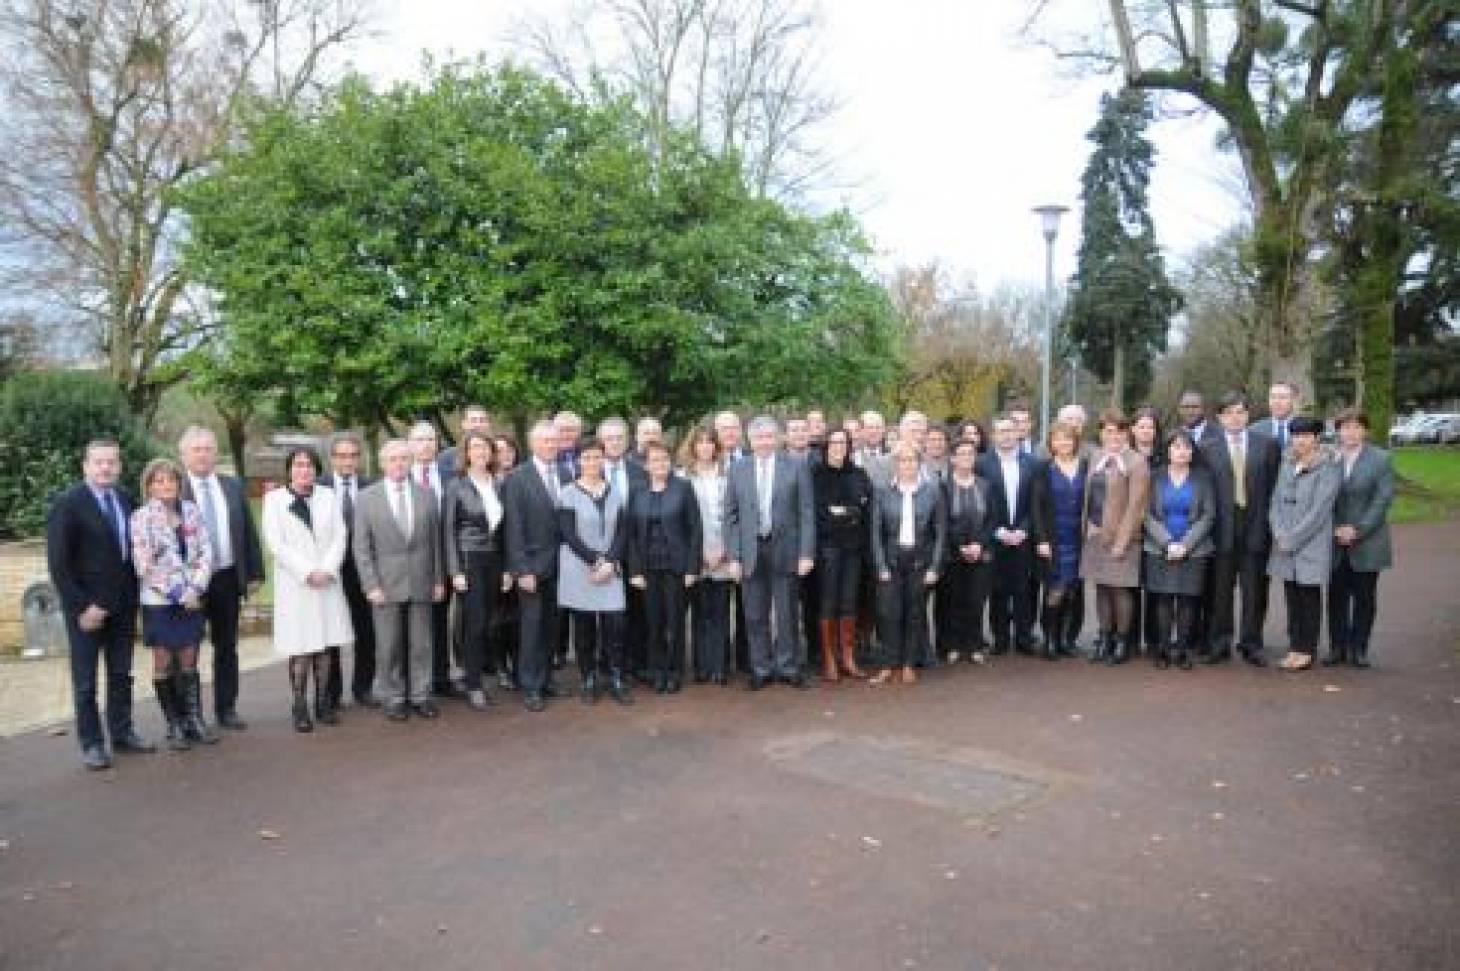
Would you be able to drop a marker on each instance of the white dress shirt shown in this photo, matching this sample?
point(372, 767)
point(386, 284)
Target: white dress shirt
point(223, 540)
point(907, 529)
point(765, 486)
point(490, 502)
point(1010, 466)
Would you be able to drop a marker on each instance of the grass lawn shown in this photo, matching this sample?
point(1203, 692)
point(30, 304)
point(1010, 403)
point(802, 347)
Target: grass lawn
point(266, 594)
point(1429, 483)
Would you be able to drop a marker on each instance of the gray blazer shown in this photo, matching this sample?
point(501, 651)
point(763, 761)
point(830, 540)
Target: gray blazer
point(407, 569)
point(793, 515)
point(1363, 502)
point(1198, 538)
point(1301, 517)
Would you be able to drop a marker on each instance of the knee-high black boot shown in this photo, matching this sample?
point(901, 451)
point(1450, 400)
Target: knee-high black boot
point(189, 687)
point(1055, 629)
point(172, 713)
point(299, 685)
point(325, 711)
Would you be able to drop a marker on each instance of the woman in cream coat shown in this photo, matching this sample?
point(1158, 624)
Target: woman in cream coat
point(304, 529)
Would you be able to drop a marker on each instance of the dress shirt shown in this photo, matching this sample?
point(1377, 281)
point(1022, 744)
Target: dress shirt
point(490, 502)
point(548, 473)
point(906, 530)
point(111, 510)
point(765, 485)
point(1010, 466)
point(400, 505)
point(208, 494)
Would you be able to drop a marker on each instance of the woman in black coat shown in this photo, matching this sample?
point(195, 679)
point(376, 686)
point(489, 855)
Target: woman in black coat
point(471, 515)
point(842, 493)
point(664, 561)
point(963, 590)
point(909, 535)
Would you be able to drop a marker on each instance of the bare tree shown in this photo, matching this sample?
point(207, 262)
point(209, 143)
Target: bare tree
point(741, 76)
point(109, 106)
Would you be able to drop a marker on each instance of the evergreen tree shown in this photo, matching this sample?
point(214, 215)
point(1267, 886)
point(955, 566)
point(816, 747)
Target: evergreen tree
point(1121, 301)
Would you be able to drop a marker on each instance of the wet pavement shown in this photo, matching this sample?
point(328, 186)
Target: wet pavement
point(1025, 815)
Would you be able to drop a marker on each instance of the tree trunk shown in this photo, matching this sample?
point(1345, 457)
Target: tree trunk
point(237, 430)
point(1117, 379)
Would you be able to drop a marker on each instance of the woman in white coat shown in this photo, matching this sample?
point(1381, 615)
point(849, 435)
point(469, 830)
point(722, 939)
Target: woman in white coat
point(304, 529)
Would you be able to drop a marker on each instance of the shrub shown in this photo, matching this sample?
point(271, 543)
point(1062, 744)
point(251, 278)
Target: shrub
point(46, 419)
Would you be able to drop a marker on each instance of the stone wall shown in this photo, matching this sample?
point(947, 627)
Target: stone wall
point(21, 564)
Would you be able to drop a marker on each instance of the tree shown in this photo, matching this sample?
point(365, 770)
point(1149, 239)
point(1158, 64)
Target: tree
point(110, 106)
point(487, 236)
point(19, 344)
point(1289, 89)
point(1122, 303)
point(741, 76)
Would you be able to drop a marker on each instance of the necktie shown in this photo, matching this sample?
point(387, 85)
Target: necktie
point(114, 516)
point(1283, 435)
point(426, 477)
point(402, 509)
point(210, 514)
point(1239, 471)
point(347, 486)
point(550, 481)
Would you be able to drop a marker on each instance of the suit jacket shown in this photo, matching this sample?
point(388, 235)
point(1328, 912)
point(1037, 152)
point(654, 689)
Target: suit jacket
point(973, 522)
point(1262, 469)
point(930, 527)
point(88, 563)
point(243, 534)
point(1041, 501)
point(1267, 426)
point(465, 526)
point(679, 512)
point(1302, 520)
point(793, 515)
point(634, 475)
point(1016, 558)
point(1363, 502)
point(407, 569)
point(362, 482)
point(530, 522)
point(1201, 518)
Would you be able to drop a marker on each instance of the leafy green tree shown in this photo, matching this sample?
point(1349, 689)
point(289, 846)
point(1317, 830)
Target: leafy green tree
point(488, 237)
point(1122, 303)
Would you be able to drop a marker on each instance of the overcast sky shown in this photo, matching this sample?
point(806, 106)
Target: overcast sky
point(952, 128)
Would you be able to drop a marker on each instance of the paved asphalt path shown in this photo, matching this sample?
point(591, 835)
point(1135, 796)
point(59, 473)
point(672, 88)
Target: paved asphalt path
point(1048, 816)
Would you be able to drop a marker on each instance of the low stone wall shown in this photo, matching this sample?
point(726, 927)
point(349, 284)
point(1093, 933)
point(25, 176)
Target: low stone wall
point(21, 564)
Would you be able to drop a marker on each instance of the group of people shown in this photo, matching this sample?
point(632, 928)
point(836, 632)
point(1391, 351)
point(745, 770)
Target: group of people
point(869, 551)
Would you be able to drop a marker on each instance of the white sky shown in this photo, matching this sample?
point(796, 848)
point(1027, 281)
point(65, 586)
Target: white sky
point(952, 128)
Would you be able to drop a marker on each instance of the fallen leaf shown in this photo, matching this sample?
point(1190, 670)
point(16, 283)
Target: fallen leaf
point(951, 875)
point(27, 896)
point(595, 930)
point(1218, 784)
point(1356, 788)
point(871, 842)
point(1219, 816)
point(1077, 718)
point(269, 834)
point(58, 731)
point(441, 928)
point(1158, 838)
point(1332, 689)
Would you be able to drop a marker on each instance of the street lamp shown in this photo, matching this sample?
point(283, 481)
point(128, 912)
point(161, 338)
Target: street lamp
point(1049, 218)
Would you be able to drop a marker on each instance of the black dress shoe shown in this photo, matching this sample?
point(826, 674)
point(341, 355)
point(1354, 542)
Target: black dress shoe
point(755, 683)
point(505, 682)
point(675, 684)
point(1183, 660)
point(1253, 656)
point(999, 649)
point(231, 721)
point(798, 681)
point(588, 693)
point(94, 757)
point(550, 690)
point(719, 679)
point(1217, 656)
point(532, 701)
point(1160, 659)
point(1359, 657)
point(1336, 656)
point(397, 711)
point(426, 709)
point(132, 744)
point(367, 701)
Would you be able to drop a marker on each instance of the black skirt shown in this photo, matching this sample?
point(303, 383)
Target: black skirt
point(171, 626)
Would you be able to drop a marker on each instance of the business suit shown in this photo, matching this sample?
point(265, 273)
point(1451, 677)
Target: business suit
point(1013, 588)
point(362, 674)
point(409, 568)
point(1364, 497)
point(963, 590)
point(89, 555)
point(664, 547)
point(228, 587)
point(626, 476)
point(1243, 539)
point(902, 567)
point(472, 541)
point(768, 554)
point(1275, 429)
point(531, 524)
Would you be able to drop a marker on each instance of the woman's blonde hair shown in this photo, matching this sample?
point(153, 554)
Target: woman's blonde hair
point(158, 467)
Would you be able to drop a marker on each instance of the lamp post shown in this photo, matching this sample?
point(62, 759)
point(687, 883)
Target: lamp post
point(1049, 217)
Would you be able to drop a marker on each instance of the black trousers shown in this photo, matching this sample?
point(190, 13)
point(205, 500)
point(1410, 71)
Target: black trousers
point(710, 606)
point(811, 615)
point(441, 644)
point(1171, 616)
point(477, 604)
point(598, 640)
point(1013, 602)
point(537, 615)
point(1352, 603)
point(741, 641)
point(1305, 615)
point(902, 608)
point(504, 635)
point(838, 576)
point(963, 594)
point(636, 646)
point(1236, 570)
point(113, 642)
point(362, 675)
point(222, 604)
point(664, 604)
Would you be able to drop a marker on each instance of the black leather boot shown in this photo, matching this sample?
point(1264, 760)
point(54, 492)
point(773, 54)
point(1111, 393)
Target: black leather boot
point(1359, 656)
point(618, 689)
point(189, 687)
point(1337, 655)
point(172, 714)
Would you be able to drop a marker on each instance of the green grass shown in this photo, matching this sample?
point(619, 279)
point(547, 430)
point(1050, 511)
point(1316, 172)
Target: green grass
point(266, 593)
point(1429, 484)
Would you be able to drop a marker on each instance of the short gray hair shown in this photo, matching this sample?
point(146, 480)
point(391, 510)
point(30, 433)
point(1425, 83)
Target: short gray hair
point(608, 424)
point(195, 432)
point(393, 445)
point(423, 426)
point(543, 427)
point(762, 423)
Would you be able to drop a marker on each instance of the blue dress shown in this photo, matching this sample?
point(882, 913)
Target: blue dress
point(1067, 494)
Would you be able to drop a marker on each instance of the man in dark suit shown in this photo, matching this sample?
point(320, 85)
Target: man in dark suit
point(1010, 473)
point(626, 475)
point(1244, 467)
point(89, 553)
point(1191, 407)
point(474, 418)
point(403, 570)
point(530, 521)
point(729, 433)
point(770, 542)
point(344, 477)
point(1282, 408)
point(238, 561)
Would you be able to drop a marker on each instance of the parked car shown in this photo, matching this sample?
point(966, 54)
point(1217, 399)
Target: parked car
point(1440, 430)
point(1410, 431)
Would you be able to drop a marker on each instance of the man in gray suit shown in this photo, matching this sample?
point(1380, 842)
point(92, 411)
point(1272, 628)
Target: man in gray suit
point(770, 541)
point(397, 547)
